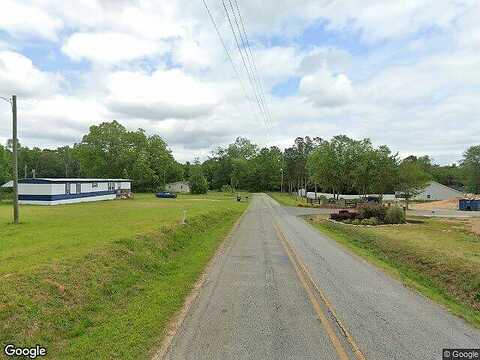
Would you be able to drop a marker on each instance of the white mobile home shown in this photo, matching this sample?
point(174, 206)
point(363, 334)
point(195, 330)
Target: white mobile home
point(179, 186)
point(49, 191)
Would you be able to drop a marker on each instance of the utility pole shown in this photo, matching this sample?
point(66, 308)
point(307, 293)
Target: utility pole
point(15, 161)
point(25, 171)
point(281, 184)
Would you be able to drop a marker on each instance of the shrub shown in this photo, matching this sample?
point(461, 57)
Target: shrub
point(344, 215)
point(370, 221)
point(395, 215)
point(369, 211)
point(356, 222)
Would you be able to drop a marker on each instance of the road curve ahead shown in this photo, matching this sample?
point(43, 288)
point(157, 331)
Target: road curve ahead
point(281, 290)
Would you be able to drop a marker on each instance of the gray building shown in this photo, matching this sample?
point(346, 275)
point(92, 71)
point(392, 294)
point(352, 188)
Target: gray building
point(437, 191)
point(178, 187)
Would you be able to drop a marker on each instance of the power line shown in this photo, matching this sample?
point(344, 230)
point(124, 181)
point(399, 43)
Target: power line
point(253, 78)
point(247, 68)
point(9, 100)
point(258, 77)
point(237, 73)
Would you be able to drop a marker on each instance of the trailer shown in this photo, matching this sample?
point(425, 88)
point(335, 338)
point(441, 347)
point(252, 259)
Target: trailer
point(55, 191)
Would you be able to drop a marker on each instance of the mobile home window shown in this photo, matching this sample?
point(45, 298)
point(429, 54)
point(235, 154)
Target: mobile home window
point(94, 185)
point(79, 188)
point(67, 188)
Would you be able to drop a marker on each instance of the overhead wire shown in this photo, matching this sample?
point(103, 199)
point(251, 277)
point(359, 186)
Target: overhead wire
point(257, 77)
point(229, 56)
point(248, 69)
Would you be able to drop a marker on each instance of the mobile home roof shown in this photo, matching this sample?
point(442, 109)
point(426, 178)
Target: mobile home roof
point(61, 180)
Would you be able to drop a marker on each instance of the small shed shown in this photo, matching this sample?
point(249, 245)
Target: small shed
point(469, 204)
point(54, 191)
point(178, 187)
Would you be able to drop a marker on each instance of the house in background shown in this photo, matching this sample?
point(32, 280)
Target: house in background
point(437, 191)
point(178, 186)
point(51, 191)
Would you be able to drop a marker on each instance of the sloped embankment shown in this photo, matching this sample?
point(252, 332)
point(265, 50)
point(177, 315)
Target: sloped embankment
point(116, 301)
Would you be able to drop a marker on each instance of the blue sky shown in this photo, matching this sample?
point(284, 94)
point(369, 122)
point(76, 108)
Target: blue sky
point(405, 74)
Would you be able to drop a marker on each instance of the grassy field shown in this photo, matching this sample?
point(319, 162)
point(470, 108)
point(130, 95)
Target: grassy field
point(286, 199)
point(84, 279)
point(438, 257)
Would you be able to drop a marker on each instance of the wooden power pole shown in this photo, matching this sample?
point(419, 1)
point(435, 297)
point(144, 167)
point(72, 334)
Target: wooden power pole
point(15, 161)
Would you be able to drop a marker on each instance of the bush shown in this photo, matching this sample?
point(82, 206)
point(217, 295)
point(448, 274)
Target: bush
point(370, 221)
point(372, 211)
point(395, 215)
point(356, 222)
point(6, 194)
point(344, 215)
point(226, 189)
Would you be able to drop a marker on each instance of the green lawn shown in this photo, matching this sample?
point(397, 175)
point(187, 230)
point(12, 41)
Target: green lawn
point(82, 279)
point(439, 257)
point(49, 233)
point(287, 200)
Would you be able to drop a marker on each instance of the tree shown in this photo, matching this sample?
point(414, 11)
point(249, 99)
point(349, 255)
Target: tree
point(385, 171)
point(265, 173)
point(5, 164)
point(110, 150)
point(198, 182)
point(471, 169)
point(412, 179)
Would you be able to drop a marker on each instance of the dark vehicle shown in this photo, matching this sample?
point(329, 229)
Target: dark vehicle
point(166, 195)
point(373, 199)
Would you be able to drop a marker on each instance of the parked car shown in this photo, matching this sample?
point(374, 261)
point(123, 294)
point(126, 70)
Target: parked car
point(166, 195)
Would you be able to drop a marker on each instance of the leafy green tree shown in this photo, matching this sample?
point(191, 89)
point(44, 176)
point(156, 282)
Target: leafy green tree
point(412, 179)
point(471, 169)
point(5, 164)
point(198, 182)
point(265, 170)
point(385, 172)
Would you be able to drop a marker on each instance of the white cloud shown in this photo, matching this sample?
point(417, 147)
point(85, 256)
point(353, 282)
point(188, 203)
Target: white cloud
point(110, 47)
point(22, 20)
point(326, 89)
point(411, 81)
point(162, 95)
point(19, 76)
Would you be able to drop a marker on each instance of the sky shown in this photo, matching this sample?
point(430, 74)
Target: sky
point(402, 73)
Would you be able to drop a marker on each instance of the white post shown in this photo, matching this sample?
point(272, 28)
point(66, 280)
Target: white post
point(184, 220)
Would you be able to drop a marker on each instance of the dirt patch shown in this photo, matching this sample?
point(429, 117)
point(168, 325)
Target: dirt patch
point(475, 226)
point(441, 204)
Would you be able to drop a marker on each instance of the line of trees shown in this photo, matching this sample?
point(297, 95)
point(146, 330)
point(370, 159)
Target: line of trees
point(109, 150)
point(340, 165)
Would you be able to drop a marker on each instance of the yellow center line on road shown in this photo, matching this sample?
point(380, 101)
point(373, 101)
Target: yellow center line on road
point(311, 288)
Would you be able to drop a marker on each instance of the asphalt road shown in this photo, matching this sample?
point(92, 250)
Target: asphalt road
point(281, 290)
